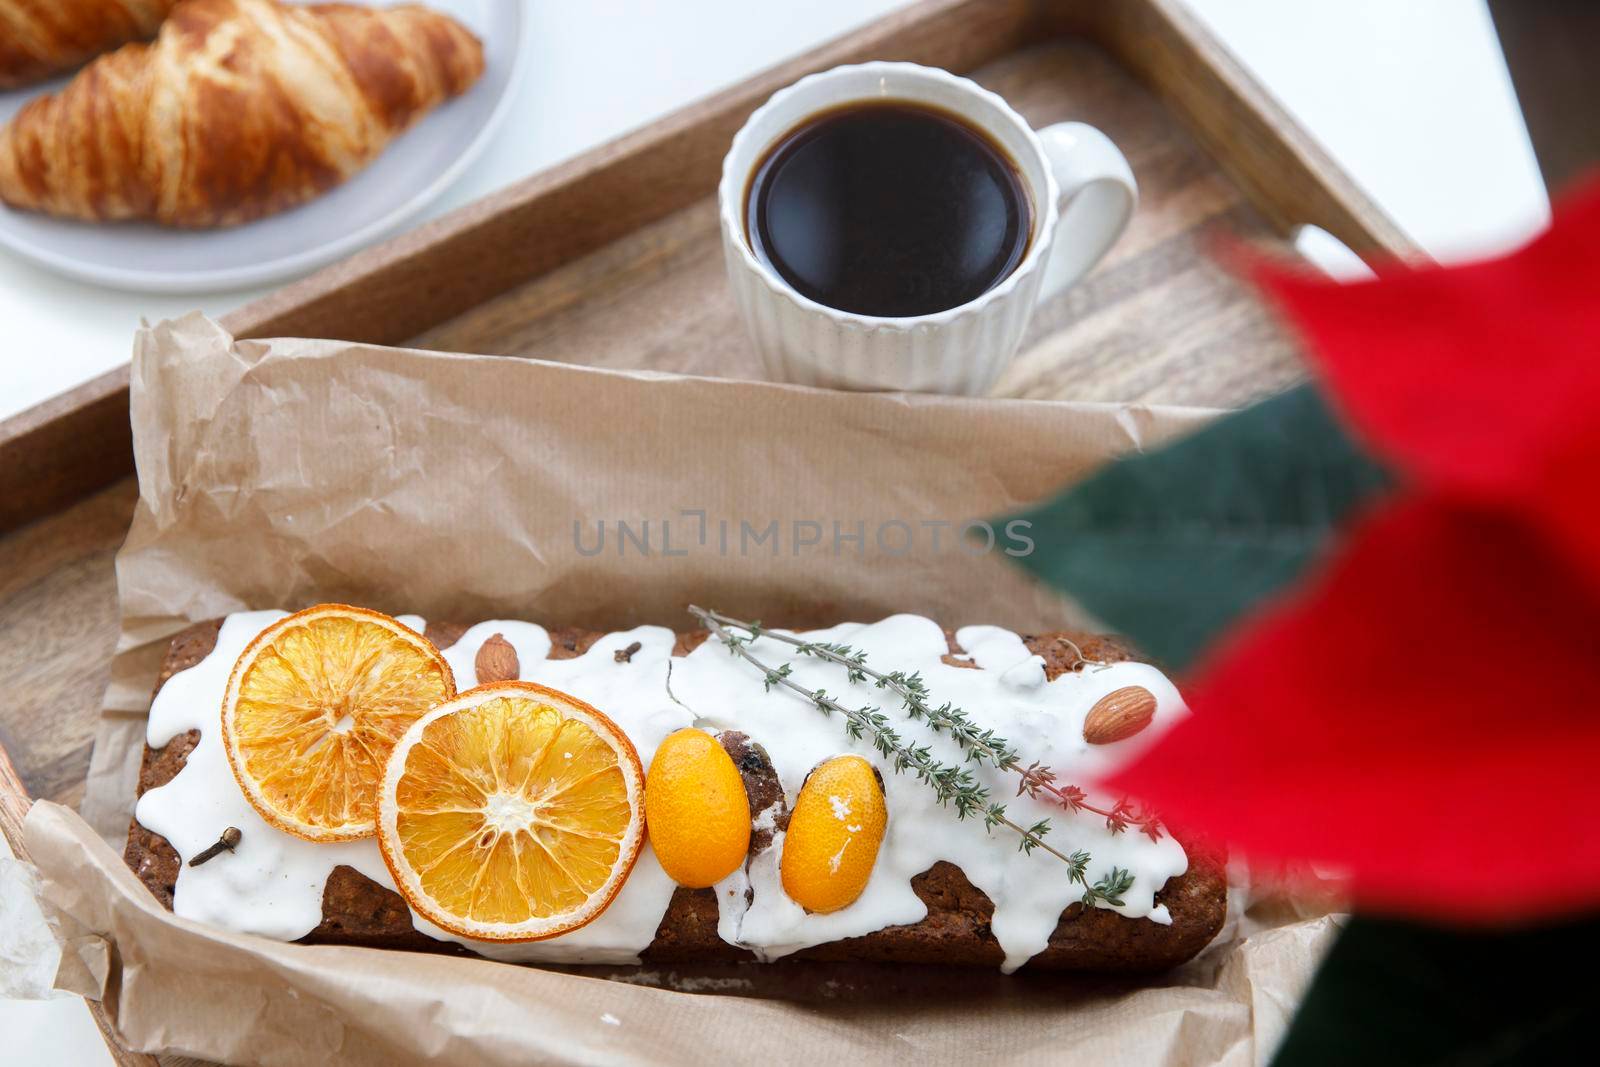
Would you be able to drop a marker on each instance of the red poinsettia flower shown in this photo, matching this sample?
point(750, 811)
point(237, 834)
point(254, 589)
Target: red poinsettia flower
point(1424, 713)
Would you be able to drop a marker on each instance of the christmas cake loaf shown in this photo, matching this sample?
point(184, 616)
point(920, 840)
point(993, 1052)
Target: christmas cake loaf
point(886, 792)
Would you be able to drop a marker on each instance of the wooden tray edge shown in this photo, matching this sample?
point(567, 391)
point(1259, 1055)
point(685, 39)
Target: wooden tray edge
point(14, 805)
point(1284, 171)
point(58, 452)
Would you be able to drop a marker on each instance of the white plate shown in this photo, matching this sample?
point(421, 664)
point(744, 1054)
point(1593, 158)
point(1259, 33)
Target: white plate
point(415, 169)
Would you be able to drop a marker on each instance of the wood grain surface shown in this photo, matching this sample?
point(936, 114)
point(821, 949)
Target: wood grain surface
point(642, 286)
point(414, 282)
point(58, 628)
point(1158, 321)
point(613, 260)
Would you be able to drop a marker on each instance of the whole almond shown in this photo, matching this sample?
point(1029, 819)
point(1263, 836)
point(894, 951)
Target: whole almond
point(497, 661)
point(1119, 715)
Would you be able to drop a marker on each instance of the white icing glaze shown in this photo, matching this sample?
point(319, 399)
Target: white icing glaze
point(273, 884)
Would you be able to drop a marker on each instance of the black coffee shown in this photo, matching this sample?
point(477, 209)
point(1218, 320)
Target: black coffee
point(888, 209)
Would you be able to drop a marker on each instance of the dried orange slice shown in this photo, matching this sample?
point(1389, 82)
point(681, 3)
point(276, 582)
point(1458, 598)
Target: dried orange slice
point(315, 704)
point(512, 813)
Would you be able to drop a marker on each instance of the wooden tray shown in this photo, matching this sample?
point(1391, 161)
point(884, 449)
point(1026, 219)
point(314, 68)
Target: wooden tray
point(614, 259)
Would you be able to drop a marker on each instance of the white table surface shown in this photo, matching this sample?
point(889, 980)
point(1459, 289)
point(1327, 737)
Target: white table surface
point(1412, 98)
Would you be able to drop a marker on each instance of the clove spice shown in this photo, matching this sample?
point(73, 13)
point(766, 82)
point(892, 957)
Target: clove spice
point(226, 843)
point(625, 655)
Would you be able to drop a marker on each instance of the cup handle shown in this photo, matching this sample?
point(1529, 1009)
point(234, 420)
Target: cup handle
point(1098, 195)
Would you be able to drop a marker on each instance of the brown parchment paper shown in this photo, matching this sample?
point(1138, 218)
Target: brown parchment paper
point(280, 473)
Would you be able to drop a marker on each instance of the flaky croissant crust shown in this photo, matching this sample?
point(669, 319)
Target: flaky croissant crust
point(239, 109)
point(40, 38)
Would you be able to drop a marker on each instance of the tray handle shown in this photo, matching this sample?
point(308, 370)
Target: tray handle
point(14, 805)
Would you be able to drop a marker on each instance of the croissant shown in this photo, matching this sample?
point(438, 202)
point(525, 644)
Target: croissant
point(39, 38)
point(239, 109)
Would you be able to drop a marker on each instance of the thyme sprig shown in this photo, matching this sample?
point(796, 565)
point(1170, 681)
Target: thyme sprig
point(952, 785)
point(981, 746)
point(1110, 888)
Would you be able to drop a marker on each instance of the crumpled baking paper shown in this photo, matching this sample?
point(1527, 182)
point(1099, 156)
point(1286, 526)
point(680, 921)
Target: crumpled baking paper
point(280, 473)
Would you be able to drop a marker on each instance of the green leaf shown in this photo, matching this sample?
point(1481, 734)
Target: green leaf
point(1172, 546)
point(1399, 992)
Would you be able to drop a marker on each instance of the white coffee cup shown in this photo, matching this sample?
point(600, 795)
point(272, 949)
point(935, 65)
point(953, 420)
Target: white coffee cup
point(1082, 193)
